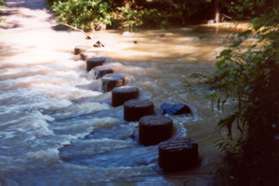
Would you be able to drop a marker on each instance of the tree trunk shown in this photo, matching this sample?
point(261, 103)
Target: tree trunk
point(217, 11)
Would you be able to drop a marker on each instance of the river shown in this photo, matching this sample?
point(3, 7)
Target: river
point(58, 128)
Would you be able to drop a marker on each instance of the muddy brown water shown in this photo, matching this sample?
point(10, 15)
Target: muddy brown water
point(58, 128)
point(172, 66)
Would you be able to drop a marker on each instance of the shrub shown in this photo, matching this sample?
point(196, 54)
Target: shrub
point(128, 17)
point(248, 76)
point(128, 13)
point(245, 9)
point(2, 2)
point(84, 14)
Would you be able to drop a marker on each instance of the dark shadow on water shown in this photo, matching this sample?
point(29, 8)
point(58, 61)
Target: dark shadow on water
point(62, 28)
point(6, 51)
point(8, 12)
point(10, 26)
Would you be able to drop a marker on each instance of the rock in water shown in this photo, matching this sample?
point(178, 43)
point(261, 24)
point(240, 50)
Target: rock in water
point(178, 154)
point(98, 44)
point(122, 94)
point(154, 129)
point(88, 37)
point(87, 55)
point(111, 81)
point(175, 108)
point(94, 62)
point(135, 109)
point(79, 49)
point(101, 71)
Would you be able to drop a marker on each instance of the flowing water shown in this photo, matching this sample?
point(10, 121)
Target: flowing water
point(58, 128)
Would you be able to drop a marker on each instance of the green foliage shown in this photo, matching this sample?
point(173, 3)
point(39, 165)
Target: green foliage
point(181, 12)
point(240, 66)
point(247, 75)
point(2, 2)
point(267, 20)
point(188, 9)
point(240, 9)
point(130, 13)
point(134, 13)
point(152, 17)
point(84, 14)
point(131, 17)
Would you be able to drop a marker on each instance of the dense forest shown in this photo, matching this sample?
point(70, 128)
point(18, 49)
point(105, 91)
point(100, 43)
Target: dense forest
point(88, 14)
point(246, 75)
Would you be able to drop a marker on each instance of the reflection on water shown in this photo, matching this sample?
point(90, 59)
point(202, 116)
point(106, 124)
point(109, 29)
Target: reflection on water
point(57, 128)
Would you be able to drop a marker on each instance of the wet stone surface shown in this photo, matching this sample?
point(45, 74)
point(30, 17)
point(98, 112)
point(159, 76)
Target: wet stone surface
point(101, 71)
point(122, 94)
point(154, 129)
point(109, 145)
point(94, 62)
point(111, 81)
point(178, 154)
point(80, 49)
point(137, 108)
point(175, 108)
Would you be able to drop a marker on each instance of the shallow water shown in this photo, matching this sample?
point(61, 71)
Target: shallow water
point(58, 128)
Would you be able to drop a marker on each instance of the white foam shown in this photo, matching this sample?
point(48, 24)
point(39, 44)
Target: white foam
point(50, 155)
point(79, 109)
point(81, 128)
point(35, 124)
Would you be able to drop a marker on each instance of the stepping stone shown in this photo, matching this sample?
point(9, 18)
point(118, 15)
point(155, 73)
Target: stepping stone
point(135, 109)
point(98, 44)
point(79, 49)
point(111, 81)
point(88, 37)
point(101, 71)
point(87, 55)
point(122, 94)
point(94, 62)
point(83, 56)
point(154, 129)
point(178, 154)
point(175, 108)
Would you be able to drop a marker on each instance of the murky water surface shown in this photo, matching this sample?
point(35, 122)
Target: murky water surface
point(58, 128)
